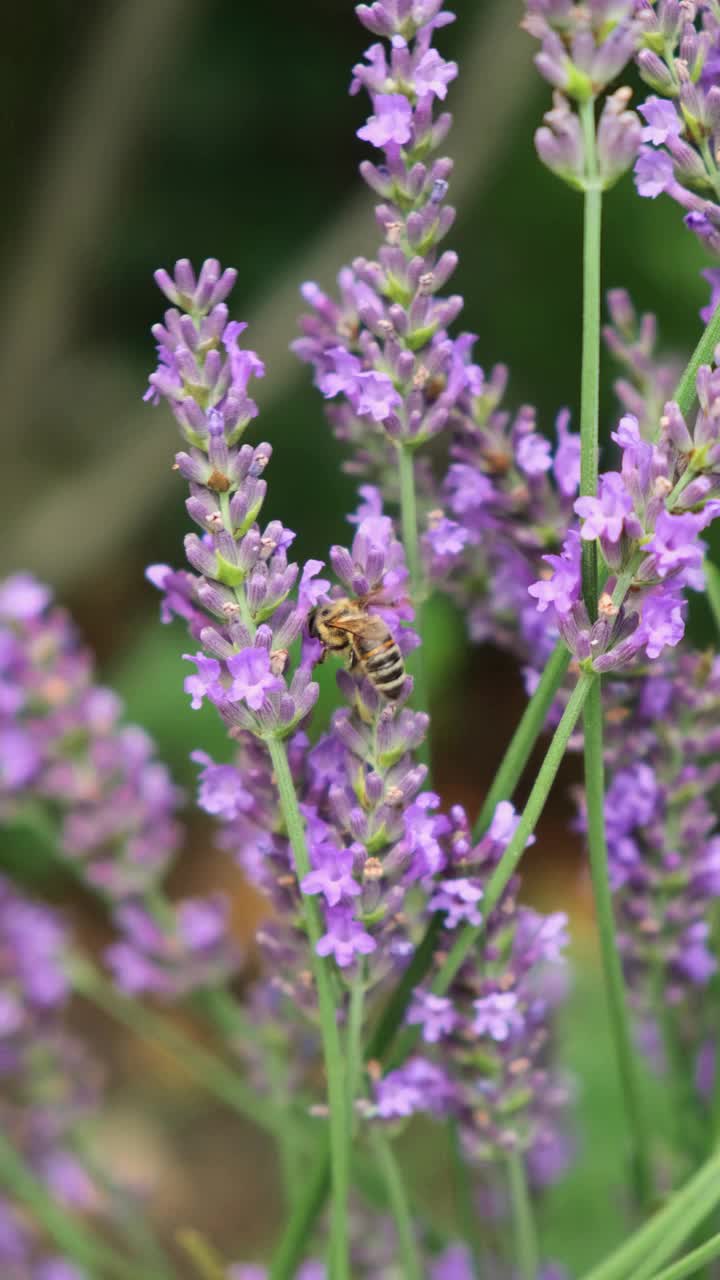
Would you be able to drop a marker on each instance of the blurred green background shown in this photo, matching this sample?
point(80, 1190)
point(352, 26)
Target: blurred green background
point(140, 131)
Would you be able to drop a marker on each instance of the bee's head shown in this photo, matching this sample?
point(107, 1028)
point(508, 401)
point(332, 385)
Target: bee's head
point(317, 617)
point(322, 616)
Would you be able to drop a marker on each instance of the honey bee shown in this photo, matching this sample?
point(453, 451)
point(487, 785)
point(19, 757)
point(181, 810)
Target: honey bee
point(345, 624)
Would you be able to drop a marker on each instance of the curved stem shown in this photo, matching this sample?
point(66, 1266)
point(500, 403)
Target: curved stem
point(699, 1195)
point(626, 1059)
point(411, 542)
point(399, 1204)
point(691, 1264)
point(334, 1066)
point(524, 1232)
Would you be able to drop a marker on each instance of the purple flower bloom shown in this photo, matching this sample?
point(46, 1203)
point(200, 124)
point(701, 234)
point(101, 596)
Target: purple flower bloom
point(433, 74)
point(333, 875)
point(253, 678)
point(22, 598)
point(417, 1086)
point(391, 123)
point(662, 119)
point(534, 455)
point(676, 548)
point(458, 899)
point(653, 173)
point(497, 1016)
point(345, 939)
point(435, 1014)
point(562, 588)
point(220, 789)
point(205, 682)
point(610, 515)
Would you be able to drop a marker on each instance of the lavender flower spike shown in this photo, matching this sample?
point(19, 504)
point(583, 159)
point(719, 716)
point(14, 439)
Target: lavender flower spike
point(382, 353)
point(63, 746)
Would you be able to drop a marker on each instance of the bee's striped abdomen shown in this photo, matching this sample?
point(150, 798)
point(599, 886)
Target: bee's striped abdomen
point(385, 668)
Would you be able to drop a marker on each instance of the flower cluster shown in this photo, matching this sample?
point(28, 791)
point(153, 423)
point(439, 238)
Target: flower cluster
point(506, 497)
point(48, 1082)
point(236, 602)
point(61, 742)
point(680, 60)
point(583, 48)
point(662, 745)
point(486, 1056)
point(647, 519)
point(383, 348)
point(64, 749)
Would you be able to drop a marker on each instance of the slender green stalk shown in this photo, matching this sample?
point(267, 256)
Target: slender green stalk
point(592, 718)
point(334, 1065)
point(411, 543)
point(612, 969)
point(205, 1260)
point(691, 1264)
point(712, 587)
point(354, 1052)
point(590, 375)
point(703, 1189)
point(523, 1218)
point(399, 1204)
point(507, 866)
point(208, 1070)
point(676, 1236)
point(73, 1238)
point(526, 735)
point(685, 392)
point(466, 1211)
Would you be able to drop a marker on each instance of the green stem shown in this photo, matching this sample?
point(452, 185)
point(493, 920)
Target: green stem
point(700, 1193)
point(626, 1060)
point(411, 542)
point(506, 868)
point(526, 735)
point(466, 1211)
point(354, 1054)
point(692, 1263)
point(334, 1066)
point(523, 1218)
point(590, 375)
point(73, 1238)
point(685, 392)
point(399, 1204)
point(674, 1238)
point(208, 1070)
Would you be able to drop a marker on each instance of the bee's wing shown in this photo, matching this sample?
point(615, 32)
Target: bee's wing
point(369, 626)
point(353, 626)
